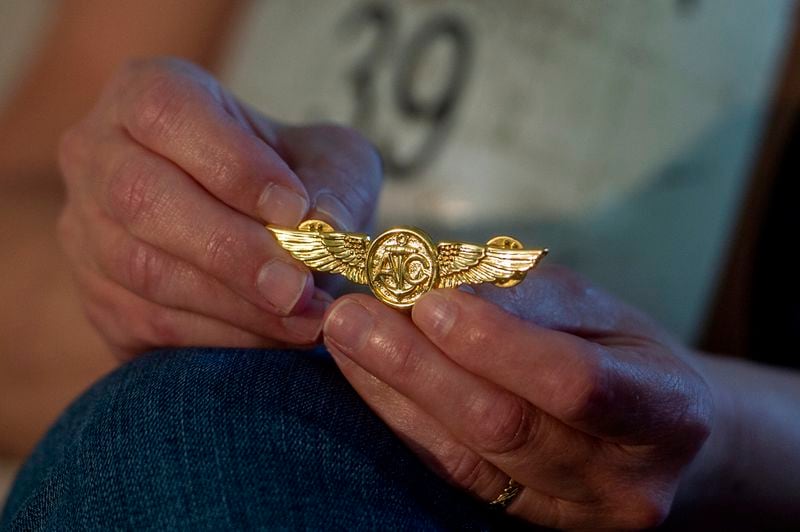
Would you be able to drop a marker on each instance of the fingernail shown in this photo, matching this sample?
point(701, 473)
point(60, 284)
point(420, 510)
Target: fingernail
point(349, 326)
point(282, 206)
point(435, 314)
point(308, 324)
point(332, 209)
point(282, 284)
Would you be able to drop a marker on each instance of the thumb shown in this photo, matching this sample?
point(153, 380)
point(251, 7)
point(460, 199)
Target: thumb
point(340, 169)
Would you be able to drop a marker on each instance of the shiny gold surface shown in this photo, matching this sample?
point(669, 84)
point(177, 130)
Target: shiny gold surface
point(402, 264)
point(507, 242)
point(507, 496)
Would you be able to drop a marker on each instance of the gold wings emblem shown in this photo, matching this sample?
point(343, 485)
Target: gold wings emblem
point(462, 263)
point(327, 251)
point(402, 264)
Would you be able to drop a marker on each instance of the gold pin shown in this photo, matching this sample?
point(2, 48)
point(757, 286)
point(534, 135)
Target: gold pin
point(402, 264)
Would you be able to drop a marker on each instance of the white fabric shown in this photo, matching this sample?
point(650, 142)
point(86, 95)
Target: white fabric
point(617, 133)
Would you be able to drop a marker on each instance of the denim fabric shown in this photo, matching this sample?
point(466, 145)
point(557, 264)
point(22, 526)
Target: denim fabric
point(230, 439)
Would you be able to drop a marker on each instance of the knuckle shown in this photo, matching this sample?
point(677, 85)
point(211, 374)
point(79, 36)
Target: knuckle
point(692, 418)
point(698, 426)
point(160, 328)
point(158, 108)
point(477, 333)
point(591, 391)
point(146, 270)
point(464, 468)
point(502, 426)
point(134, 190)
point(401, 358)
point(219, 253)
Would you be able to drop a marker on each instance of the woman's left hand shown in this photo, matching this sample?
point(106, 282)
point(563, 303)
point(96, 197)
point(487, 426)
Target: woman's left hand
point(579, 398)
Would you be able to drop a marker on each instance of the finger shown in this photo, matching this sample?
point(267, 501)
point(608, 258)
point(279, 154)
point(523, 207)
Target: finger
point(181, 112)
point(159, 203)
point(163, 279)
point(466, 469)
point(523, 442)
point(583, 384)
point(555, 297)
point(340, 169)
point(429, 439)
point(133, 325)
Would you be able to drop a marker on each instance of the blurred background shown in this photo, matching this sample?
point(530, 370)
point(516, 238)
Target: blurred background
point(652, 146)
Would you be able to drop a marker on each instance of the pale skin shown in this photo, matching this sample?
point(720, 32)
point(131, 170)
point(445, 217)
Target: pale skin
point(603, 418)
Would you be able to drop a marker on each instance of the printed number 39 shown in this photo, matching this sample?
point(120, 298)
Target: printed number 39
point(435, 111)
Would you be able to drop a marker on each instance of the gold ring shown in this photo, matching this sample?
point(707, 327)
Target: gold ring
point(505, 498)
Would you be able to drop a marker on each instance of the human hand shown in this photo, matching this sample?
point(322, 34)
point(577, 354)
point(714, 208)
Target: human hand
point(576, 396)
point(169, 183)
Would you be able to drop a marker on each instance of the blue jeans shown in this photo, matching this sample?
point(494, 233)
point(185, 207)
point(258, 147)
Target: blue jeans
point(231, 439)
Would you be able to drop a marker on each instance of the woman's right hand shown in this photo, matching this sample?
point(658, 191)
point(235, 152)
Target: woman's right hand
point(170, 181)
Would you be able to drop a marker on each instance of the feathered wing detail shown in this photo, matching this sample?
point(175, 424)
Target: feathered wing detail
point(462, 263)
point(334, 252)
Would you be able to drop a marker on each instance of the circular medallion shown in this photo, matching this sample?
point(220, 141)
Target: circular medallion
point(401, 266)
